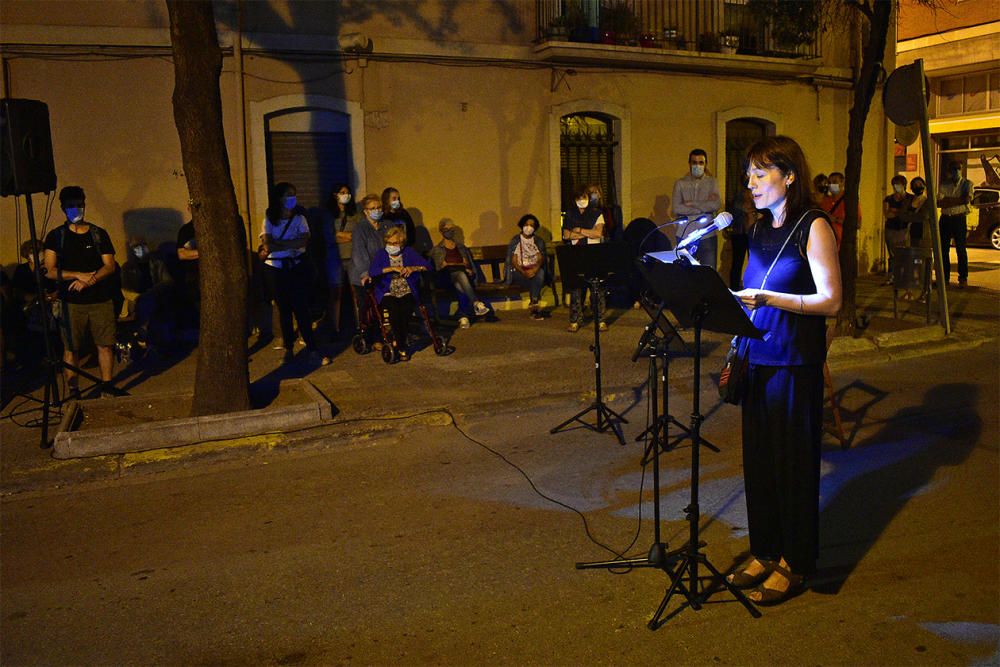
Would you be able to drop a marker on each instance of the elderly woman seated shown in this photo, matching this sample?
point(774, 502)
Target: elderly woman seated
point(394, 271)
point(454, 260)
point(526, 263)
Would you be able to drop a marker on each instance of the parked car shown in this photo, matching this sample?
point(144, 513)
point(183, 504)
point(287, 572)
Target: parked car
point(986, 202)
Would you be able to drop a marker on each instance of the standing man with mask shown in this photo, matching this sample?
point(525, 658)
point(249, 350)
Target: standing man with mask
point(696, 193)
point(80, 258)
point(953, 196)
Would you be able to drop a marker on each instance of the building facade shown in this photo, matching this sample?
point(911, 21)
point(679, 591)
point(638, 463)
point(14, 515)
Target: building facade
point(476, 111)
point(959, 44)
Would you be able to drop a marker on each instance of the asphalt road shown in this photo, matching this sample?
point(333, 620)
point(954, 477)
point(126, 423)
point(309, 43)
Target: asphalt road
point(427, 547)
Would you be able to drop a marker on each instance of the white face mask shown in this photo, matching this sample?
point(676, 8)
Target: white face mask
point(140, 251)
point(527, 230)
point(393, 249)
point(697, 170)
point(582, 203)
point(834, 189)
point(898, 188)
point(344, 198)
point(395, 204)
point(594, 197)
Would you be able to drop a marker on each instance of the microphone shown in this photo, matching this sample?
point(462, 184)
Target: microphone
point(679, 221)
point(721, 221)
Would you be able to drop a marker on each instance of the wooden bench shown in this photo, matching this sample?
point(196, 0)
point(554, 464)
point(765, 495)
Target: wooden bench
point(492, 284)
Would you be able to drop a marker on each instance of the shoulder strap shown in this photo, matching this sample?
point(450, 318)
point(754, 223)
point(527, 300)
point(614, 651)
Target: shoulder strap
point(778, 256)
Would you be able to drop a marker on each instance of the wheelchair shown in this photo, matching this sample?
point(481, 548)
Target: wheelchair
point(373, 326)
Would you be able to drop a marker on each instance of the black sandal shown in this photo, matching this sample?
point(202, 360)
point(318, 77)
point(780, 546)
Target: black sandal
point(773, 596)
point(743, 580)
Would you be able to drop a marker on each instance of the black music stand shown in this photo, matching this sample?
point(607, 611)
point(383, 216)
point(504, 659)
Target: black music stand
point(698, 298)
point(588, 266)
point(660, 321)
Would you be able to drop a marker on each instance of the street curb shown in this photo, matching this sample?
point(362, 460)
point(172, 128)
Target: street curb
point(70, 443)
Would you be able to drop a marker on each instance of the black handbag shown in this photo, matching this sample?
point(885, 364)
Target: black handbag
point(734, 378)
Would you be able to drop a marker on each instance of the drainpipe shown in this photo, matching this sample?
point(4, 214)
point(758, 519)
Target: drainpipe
point(241, 91)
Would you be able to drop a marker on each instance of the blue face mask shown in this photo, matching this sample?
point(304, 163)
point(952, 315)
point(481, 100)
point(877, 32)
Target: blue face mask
point(74, 213)
point(290, 203)
point(375, 215)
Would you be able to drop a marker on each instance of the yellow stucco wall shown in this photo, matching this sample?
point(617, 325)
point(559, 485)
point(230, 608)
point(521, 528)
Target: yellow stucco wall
point(471, 141)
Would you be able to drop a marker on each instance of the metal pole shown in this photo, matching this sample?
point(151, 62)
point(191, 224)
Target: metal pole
point(925, 148)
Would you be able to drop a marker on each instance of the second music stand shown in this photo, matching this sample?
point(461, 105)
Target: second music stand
point(589, 265)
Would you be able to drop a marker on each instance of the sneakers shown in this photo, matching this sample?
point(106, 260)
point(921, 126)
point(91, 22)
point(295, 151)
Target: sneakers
point(316, 358)
point(535, 312)
point(480, 308)
point(603, 326)
point(573, 327)
point(463, 322)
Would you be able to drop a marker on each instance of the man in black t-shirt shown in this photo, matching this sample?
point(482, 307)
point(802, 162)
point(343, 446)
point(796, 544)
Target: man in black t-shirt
point(80, 258)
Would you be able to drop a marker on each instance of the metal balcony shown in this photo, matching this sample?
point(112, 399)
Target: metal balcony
point(692, 26)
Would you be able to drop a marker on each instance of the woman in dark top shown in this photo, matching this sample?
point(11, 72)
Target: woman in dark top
point(394, 214)
point(583, 223)
point(793, 249)
point(897, 233)
point(337, 238)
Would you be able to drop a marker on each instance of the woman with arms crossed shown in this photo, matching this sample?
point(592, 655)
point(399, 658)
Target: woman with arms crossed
point(783, 408)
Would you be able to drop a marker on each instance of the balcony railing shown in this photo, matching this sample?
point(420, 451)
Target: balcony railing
point(720, 26)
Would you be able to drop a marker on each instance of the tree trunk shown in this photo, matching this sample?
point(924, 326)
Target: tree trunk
point(222, 382)
point(865, 86)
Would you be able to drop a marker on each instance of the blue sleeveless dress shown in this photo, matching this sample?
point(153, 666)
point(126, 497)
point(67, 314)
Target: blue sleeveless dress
point(783, 408)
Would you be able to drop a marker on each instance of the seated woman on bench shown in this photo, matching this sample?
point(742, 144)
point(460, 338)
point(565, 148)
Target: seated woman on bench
point(394, 271)
point(525, 263)
point(454, 260)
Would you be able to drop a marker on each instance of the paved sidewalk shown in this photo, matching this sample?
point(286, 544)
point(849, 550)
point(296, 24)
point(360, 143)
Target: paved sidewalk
point(496, 366)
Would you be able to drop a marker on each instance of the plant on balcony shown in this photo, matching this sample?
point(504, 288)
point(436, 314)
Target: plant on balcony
point(673, 39)
point(558, 28)
point(576, 22)
point(730, 42)
point(791, 24)
point(619, 25)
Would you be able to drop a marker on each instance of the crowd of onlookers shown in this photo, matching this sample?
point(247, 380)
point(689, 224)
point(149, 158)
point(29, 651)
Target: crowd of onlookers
point(321, 267)
point(907, 217)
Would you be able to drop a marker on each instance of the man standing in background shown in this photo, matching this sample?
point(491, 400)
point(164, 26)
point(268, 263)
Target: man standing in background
point(696, 193)
point(953, 196)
